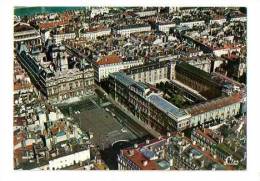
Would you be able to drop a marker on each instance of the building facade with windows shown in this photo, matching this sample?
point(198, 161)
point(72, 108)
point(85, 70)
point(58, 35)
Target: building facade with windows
point(56, 85)
point(197, 79)
point(93, 33)
point(127, 30)
point(147, 105)
point(112, 63)
point(219, 108)
point(26, 34)
point(152, 72)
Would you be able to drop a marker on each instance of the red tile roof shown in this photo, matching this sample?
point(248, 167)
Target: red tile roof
point(214, 104)
point(231, 57)
point(18, 138)
point(20, 86)
point(19, 150)
point(138, 159)
point(205, 134)
point(96, 29)
point(109, 59)
point(48, 25)
point(208, 155)
point(218, 17)
point(19, 121)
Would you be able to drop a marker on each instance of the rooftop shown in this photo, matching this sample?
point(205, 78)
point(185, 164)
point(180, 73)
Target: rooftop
point(48, 25)
point(96, 29)
point(214, 104)
point(133, 26)
point(109, 59)
point(194, 70)
point(127, 81)
point(123, 78)
point(161, 151)
point(138, 158)
point(22, 27)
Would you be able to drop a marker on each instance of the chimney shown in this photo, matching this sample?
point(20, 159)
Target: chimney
point(244, 156)
point(168, 140)
point(71, 149)
point(37, 159)
point(236, 148)
point(99, 161)
point(182, 134)
point(145, 162)
point(17, 162)
point(221, 139)
point(147, 141)
point(215, 156)
point(193, 142)
point(47, 155)
point(202, 163)
point(191, 155)
point(131, 152)
point(171, 162)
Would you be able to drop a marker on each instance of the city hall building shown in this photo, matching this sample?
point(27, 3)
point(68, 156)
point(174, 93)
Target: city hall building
point(59, 84)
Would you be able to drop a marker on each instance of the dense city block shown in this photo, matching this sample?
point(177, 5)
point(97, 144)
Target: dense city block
point(136, 88)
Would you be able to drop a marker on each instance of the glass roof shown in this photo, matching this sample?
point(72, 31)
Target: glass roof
point(166, 106)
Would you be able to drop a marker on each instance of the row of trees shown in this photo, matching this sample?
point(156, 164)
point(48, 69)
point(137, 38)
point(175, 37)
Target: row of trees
point(172, 95)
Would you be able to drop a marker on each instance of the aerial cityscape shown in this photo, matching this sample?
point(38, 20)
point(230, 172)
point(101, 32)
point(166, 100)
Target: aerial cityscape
point(130, 88)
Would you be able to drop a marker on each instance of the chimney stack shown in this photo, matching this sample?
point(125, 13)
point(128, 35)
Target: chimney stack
point(37, 159)
point(244, 156)
point(215, 156)
point(131, 152)
point(160, 137)
point(168, 140)
point(145, 162)
point(147, 141)
point(236, 148)
point(191, 155)
point(121, 152)
point(202, 163)
point(47, 155)
point(182, 134)
point(16, 162)
point(171, 162)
